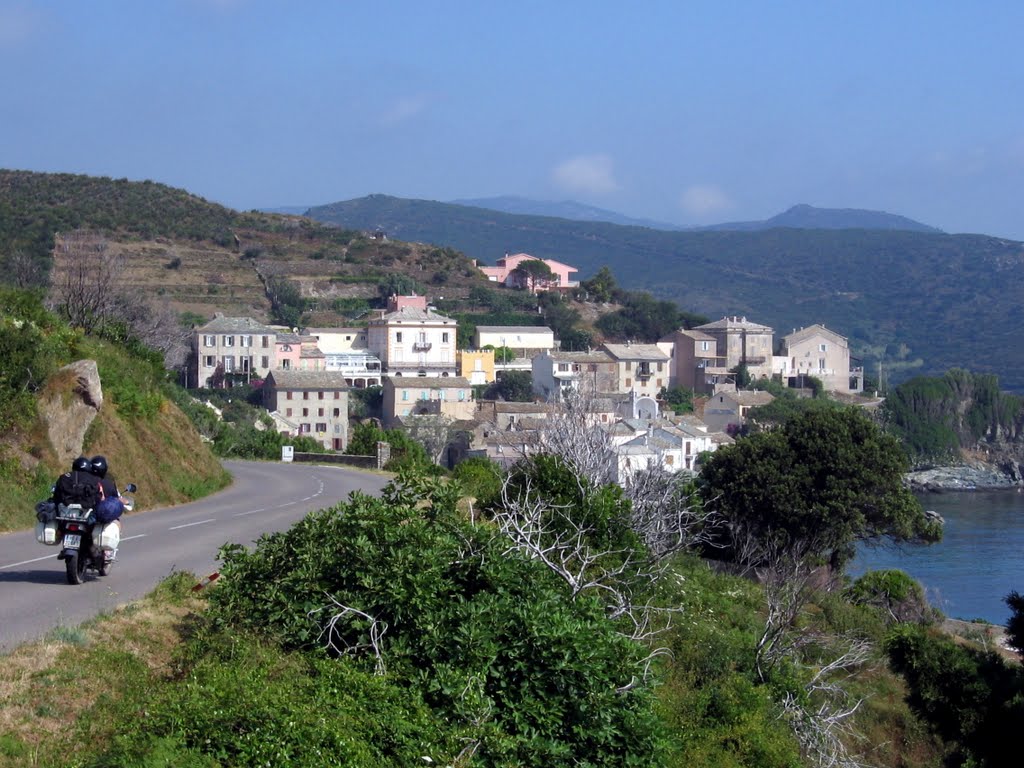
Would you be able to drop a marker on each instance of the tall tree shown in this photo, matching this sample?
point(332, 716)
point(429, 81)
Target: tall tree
point(532, 274)
point(816, 485)
point(602, 286)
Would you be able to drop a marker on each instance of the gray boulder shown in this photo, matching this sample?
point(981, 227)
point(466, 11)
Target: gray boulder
point(69, 407)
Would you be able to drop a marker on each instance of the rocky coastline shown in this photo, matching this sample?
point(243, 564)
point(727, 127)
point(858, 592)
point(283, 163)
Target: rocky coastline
point(974, 476)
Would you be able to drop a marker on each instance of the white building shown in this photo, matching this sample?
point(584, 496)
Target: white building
point(411, 339)
point(640, 368)
point(525, 341)
point(235, 345)
point(554, 372)
point(643, 444)
point(347, 351)
point(824, 354)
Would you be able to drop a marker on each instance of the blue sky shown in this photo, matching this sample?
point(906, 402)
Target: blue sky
point(686, 112)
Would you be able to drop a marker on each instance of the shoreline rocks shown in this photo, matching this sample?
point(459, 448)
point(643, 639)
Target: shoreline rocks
point(967, 477)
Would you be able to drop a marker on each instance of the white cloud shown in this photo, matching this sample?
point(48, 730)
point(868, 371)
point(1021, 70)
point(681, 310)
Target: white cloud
point(704, 200)
point(590, 174)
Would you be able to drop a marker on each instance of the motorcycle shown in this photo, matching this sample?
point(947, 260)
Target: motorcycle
point(85, 543)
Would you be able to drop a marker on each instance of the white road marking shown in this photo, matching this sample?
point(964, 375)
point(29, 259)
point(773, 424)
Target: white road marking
point(26, 562)
point(54, 556)
point(250, 512)
point(189, 525)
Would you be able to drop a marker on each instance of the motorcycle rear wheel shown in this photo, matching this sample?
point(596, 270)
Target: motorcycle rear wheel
point(75, 565)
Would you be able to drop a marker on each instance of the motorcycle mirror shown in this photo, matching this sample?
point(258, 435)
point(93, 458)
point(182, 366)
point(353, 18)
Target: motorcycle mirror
point(131, 488)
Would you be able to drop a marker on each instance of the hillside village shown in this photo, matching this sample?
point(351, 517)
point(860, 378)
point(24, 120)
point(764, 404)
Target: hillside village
point(409, 349)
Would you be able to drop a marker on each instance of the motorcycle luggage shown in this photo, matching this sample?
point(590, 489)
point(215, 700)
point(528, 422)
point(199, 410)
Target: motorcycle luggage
point(107, 536)
point(46, 532)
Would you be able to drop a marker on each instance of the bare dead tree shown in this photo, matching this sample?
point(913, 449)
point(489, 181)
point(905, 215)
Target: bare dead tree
point(572, 430)
point(87, 277)
point(550, 533)
point(89, 290)
point(156, 325)
point(822, 722)
point(666, 514)
point(22, 270)
point(821, 719)
point(335, 639)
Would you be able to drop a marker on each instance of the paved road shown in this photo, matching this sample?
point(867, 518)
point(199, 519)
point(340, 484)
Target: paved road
point(265, 497)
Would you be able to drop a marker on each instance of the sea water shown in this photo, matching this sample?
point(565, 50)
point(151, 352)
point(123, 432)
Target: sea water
point(978, 562)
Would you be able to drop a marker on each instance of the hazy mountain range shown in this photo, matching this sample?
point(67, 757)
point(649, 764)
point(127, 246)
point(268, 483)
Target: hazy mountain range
point(910, 298)
point(798, 217)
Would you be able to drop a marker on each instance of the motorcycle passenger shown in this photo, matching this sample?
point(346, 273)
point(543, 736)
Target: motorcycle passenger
point(110, 507)
point(110, 497)
point(79, 486)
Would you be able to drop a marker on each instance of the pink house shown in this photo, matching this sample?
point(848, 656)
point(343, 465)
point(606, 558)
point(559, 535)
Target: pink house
point(288, 351)
point(398, 303)
point(502, 272)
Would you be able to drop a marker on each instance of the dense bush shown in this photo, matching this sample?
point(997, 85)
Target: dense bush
point(488, 639)
point(512, 386)
point(641, 318)
point(971, 698)
point(935, 417)
point(898, 596)
point(33, 343)
point(405, 452)
point(815, 485)
point(480, 478)
point(244, 703)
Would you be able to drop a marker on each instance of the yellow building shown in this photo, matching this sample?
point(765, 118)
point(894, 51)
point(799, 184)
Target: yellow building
point(476, 365)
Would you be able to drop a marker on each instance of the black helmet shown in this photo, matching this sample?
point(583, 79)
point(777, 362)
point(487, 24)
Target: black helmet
point(81, 464)
point(99, 466)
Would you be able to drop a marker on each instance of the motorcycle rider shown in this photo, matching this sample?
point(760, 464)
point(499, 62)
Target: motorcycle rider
point(79, 486)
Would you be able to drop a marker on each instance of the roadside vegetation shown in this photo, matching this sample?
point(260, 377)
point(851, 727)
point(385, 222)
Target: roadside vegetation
point(537, 617)
point(145, 437)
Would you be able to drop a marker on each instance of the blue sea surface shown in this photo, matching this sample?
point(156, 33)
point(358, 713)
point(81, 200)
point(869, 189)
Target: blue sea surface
point(978, 562)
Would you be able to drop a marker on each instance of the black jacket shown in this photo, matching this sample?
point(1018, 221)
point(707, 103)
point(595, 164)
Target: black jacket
point(77, 488)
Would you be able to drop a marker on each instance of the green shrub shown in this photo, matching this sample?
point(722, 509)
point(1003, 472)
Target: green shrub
point(245, 703)
point(971, 698)
point(897, 595)
point(480, 478)
point(489, 639)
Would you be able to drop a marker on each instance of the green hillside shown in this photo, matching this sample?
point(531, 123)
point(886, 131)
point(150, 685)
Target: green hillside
point(918, 302)
point(200, 258)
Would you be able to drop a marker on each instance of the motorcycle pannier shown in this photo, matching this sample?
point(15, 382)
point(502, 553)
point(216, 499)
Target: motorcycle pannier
point(46, 532)
point(108, 536)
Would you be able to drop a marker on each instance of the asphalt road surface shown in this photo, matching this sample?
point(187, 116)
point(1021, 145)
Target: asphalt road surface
point(265, 497)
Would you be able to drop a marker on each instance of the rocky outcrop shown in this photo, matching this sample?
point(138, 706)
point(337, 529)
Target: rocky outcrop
point(67, 407)
point(975, 476)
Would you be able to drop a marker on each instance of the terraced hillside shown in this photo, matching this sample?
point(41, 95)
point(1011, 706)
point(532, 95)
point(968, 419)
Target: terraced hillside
point(202, 258)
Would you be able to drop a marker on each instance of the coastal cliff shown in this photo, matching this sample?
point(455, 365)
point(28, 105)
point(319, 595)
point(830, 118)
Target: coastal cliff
point(1003, 474)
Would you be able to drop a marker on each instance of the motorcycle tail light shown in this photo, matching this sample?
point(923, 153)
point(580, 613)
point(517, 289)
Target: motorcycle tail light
point(73, 527)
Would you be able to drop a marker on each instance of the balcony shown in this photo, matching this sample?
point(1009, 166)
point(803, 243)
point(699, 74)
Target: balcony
point(421, 346)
